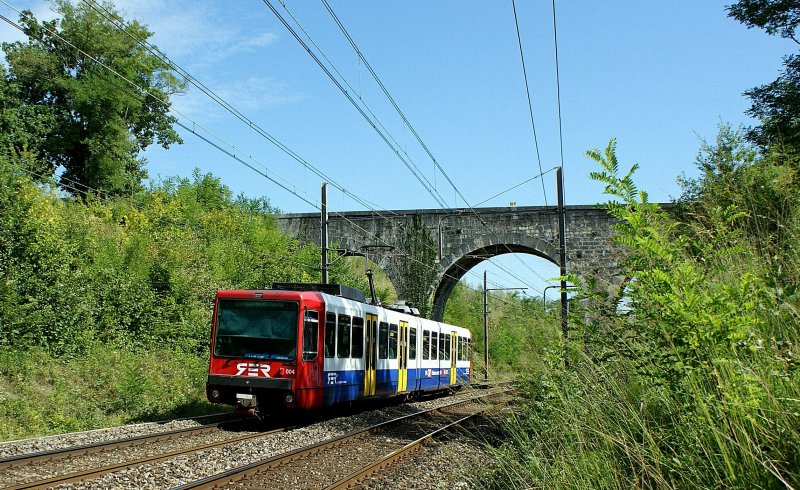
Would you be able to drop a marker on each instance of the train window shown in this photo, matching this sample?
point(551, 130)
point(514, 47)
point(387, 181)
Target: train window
point(412, 343)
point(446, 347)
point(459, 347)
point(358, 338)
point(434, 345)
point(257, 329)
point(343, 337)
point(463, 350)
point(441, 346)
point(383, 340)
point(330, 334)
point(426, 344)
point(392, 341)
point(310, 334)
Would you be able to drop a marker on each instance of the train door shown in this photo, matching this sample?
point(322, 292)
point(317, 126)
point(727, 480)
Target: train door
point(402, 367)
point(453, 352)
point(370, 355)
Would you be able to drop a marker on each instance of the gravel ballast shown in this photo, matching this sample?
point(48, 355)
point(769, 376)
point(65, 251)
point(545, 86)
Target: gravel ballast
point(183, 469)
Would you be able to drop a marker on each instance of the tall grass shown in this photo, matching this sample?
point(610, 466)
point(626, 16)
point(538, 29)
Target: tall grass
point(696, 386)
point(597, 426)
point(107, 385)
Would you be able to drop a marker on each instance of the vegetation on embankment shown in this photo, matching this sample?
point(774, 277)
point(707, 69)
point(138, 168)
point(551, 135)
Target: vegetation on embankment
point(105, 385)
point(105, 305)
point(696, 382)
point(520, 330)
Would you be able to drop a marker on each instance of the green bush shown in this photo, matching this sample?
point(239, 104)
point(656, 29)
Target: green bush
point(41, 394)
point(520, 331)
point(134, 272)
point(118, 292)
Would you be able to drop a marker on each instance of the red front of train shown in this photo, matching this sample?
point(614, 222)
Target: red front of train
point(264, 350)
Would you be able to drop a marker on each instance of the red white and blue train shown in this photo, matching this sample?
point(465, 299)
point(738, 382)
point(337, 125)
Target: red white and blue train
point(310, 346)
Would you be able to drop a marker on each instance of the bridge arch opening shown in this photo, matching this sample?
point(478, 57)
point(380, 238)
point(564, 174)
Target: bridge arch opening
point(460, 265)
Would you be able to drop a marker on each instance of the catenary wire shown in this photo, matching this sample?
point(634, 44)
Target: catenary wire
point(228, 107)
point(408, 124)
point(518, 185)
point(528, 95)
point(558, 87)
point(231, 154)
point(407, 162)
point(139, 89)
point(391, 99)
point(363, 59)
point(239, 116)
point(242, 118)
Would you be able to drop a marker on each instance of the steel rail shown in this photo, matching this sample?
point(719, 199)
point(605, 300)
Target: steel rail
point(93, 473)
point(354, 478)
point(101, 429)
point(252, 469)
point(84, 449)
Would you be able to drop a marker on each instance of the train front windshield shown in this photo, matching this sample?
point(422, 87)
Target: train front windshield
point(257, 329)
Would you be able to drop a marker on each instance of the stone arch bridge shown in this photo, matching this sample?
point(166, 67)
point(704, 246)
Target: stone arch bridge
point(465, 237)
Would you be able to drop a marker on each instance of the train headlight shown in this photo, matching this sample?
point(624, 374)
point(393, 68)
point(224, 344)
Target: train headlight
point(215, 394)
point(289, 398)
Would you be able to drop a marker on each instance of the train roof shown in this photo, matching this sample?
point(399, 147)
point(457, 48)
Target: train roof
point(335, 293)
point(333, 289)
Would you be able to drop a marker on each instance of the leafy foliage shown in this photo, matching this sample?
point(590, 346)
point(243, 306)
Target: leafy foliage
point(416, 265)
point(133, 272)
point(777, 104)
point(695, 382)
point(680, 324)
point(83, 95)
point(780, 17)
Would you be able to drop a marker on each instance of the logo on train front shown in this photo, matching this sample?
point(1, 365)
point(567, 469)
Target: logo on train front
point(253, 369)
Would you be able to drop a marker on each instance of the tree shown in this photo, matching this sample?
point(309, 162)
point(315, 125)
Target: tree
point(91, 121)
point(417, 265)
point(776, 104)
point(22, 126)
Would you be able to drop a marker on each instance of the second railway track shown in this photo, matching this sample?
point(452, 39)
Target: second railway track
point(342, 462)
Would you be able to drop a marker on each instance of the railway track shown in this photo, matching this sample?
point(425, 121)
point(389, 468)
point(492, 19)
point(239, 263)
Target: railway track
point(106, 464)
point(24, 471)
point(344, 461)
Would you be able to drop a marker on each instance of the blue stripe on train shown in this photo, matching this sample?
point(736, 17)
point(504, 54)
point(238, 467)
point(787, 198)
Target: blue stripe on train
point(342, 386)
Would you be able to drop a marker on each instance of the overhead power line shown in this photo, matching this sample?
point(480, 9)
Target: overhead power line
point(226, 105)
point(407, 162)
point(391, 99)
point(232, 154)
point(142, 92)
point(528, 93)
point(339, 85)
point(558, 86)
point(408, 123)
point(518, 185)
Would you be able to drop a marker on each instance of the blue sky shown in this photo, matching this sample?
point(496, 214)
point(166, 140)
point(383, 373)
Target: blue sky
point(658, 76)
